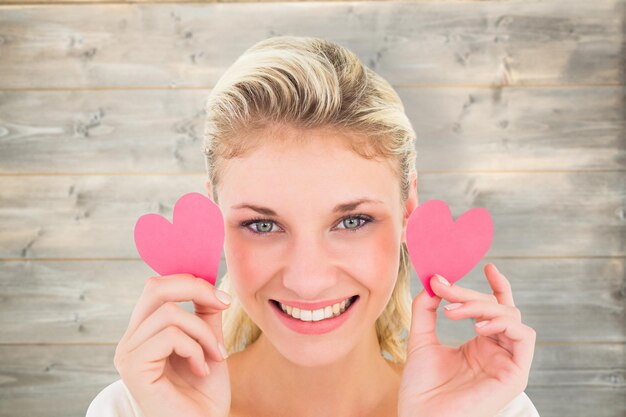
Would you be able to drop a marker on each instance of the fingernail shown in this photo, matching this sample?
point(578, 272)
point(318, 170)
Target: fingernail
point(452, 306)
point(442, 280)
point(222, 296)
point(206, 369)
point(482, 323)
point(222, 349)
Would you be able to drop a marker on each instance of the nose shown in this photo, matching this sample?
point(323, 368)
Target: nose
point(309, 272)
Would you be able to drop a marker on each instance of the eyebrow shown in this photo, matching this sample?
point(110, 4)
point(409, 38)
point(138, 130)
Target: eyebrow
point(339, 208)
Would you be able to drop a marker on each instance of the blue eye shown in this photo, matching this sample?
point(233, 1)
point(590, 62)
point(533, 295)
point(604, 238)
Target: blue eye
point(360, 217)
point(258, 221)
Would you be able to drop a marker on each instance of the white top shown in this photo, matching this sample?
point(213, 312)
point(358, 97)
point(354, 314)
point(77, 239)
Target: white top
point(116, 401)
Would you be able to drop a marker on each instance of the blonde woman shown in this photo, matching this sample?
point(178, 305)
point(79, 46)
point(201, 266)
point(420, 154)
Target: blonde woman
point(311, 158)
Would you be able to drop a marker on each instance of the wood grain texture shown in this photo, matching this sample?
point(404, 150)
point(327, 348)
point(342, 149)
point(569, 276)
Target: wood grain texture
point(90, 301)
point(562, 214)
point(423, 43)
point(518, 106)
point(61, 380)
point(75, 312)
point(460, 129)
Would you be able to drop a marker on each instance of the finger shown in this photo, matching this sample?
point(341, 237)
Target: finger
point(523, 338)
point(215, 324)
point(480, 310)
point(457, 294)
point(500, 285)
point(171, 314)
point(150, 357)
point(423, 330)
point(177, 288)
point(214, 320)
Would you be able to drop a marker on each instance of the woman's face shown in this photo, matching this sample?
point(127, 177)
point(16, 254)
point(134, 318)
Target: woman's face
point(308, 252)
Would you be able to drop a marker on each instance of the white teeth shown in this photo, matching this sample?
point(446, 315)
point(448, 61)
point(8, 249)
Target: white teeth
point(316, 315)
point(305, 315)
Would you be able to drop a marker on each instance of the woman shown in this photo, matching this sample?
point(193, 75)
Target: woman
point(311, 159)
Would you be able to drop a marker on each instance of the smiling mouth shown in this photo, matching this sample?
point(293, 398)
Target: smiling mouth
point(321, 314)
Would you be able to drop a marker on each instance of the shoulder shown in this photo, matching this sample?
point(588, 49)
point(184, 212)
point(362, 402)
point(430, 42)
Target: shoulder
point(521, 406)
point(114, 401)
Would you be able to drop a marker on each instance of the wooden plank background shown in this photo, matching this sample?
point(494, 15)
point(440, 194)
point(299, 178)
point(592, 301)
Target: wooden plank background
point(518, 106)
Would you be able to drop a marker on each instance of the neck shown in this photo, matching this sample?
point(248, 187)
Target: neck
point(355, 385)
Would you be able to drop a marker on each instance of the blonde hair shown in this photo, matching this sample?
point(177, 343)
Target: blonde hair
point(310, 83)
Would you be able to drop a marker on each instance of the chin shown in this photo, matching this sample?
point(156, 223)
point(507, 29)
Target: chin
point(309, 354)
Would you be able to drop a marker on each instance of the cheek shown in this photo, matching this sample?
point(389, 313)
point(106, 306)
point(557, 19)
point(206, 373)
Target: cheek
point(245, 264)
point(373, 260)
point(376, 261)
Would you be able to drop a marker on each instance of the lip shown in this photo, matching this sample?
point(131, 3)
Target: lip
point(314, 327)
point(313, 306)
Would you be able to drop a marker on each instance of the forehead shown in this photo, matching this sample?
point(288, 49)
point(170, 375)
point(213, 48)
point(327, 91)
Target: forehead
point(315, 172)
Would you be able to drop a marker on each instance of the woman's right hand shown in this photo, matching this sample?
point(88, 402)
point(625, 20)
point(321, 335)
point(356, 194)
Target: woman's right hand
point(164, 384)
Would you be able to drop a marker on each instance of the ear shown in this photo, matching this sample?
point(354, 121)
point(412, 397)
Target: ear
point(411, 205)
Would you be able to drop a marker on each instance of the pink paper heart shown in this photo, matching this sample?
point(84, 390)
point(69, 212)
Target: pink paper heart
point(438, 245)
point(192, 244)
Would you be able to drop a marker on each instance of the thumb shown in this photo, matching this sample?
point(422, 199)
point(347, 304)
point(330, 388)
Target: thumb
point(424, 321)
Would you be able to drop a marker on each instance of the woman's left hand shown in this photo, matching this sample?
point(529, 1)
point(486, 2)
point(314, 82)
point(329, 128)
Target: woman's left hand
point(478, 378)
